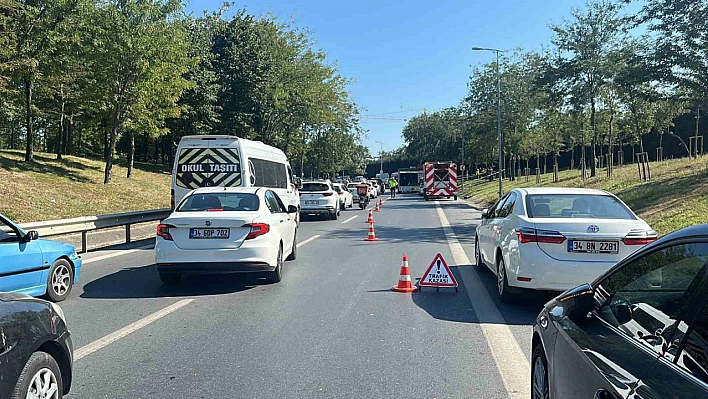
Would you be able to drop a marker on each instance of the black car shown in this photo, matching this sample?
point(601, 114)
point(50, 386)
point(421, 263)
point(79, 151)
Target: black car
point(34, 342)
point(638, 331)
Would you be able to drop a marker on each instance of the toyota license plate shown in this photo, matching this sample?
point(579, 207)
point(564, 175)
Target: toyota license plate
point(315, 202)
point(208, 233)
point(593, 247)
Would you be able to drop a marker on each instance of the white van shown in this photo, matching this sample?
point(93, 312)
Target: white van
point(230, 161)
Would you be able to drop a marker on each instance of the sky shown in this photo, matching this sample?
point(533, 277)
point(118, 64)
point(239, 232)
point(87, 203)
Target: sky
point(406, 56)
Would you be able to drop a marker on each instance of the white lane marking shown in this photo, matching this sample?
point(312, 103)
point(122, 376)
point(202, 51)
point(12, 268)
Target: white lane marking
point(508, 356)
point(350, 219)
point(131, 328)
point(308, 240)
point(119, 253)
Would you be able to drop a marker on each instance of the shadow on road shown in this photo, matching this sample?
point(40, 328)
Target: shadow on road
point(446, 304)
point(144, 282)
point(391, 234)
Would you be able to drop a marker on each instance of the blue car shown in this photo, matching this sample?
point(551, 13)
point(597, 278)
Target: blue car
point(35, 266)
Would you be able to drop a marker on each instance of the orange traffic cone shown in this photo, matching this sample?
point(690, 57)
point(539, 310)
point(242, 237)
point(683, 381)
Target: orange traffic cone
point(371, 217)
point(404, 282)
point(372, 235)
point(377, 209)
point(381, 202)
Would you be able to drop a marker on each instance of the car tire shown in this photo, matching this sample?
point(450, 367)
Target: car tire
point(293, 253)
point(539, 374)
point(40, 368)
point(502, 283)
point(170, 278)
point(276, 275)
point(478, 256)
point(60, 280)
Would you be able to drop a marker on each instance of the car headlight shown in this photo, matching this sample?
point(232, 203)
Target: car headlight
point(57, 309)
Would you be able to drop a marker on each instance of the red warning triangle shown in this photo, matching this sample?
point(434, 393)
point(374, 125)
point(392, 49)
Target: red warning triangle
point(438, 274)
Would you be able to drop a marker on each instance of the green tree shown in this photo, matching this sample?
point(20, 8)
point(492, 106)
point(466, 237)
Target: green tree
point(585, 43)
point(139, 61)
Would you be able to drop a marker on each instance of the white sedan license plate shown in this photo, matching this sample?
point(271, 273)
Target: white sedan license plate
point(593, 247)
point(315, 202)
point(208, 233)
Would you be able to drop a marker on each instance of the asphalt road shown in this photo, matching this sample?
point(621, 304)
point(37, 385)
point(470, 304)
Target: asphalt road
point(331, 329)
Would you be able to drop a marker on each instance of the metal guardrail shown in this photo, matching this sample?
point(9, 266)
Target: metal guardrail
point(90, 223)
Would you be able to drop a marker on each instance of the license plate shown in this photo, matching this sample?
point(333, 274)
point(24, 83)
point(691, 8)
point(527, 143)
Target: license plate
point(593, 247)
point(312, 202)
point(208, 233)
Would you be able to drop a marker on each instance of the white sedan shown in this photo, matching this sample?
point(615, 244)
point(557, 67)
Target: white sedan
point(225, 230)
point(319, 198)
point(346, 200)
point(556, 238)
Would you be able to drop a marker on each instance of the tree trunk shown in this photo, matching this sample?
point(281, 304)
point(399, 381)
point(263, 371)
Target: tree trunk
point(29, 149)
point(695, 140)
point(594, 136)
point(78, 148)
point(60, 132)
point(12, 136)
point(111, 147)
point(70, 136)
point(131, 153)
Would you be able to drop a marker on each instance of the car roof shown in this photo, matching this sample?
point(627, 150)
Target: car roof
point(562, 190)
point(207, 190)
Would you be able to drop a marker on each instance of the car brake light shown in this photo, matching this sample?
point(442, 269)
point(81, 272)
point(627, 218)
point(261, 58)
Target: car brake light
point(163, 230)
point(257, 229)
point(640, 237)
point(327, 194)
point(215, 210)
point(527, 234)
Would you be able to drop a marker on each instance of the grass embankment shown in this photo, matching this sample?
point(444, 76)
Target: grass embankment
point(675, 197)
point(48, 189)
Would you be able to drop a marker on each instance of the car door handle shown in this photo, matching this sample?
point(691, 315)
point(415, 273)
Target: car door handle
point(604, 394)
point(282, 220)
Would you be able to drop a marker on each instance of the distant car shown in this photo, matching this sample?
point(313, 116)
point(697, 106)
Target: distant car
point(638, 331)
point(226, 230)
point(36, 352)
point(373, 191)
point(351, 187)
point(346, 199)
point(319, 198)
point(556, 238)
point(35, 266)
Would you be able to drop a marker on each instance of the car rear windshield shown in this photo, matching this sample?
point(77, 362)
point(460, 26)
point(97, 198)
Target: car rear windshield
point(576, 206)
point(352, 185)
point(220, 202)
point(315, 187)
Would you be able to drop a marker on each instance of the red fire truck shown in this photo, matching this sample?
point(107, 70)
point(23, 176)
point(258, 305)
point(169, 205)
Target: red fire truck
point(440, 180)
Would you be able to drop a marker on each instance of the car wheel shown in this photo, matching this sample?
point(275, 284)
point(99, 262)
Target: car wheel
point(478, 256)
point(502, 283)
point(276, 275)
point(170, 278)
point(293, 253)
point(539, 374)
point(40, 378)
point(60, 280)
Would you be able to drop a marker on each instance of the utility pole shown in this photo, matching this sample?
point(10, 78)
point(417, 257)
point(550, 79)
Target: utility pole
point(381, 156)
point(499, 133)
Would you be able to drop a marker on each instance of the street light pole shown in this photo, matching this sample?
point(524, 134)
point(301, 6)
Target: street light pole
point(381, 157)
point(499, 133)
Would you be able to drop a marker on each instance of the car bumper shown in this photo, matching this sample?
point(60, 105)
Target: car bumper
point(76, 261)
point(546, 273)
point(318, 211)
point(258, 256)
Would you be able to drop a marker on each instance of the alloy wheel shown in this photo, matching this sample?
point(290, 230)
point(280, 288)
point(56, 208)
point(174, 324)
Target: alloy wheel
point(43, 386)
point(61, 280)
point(539, 384)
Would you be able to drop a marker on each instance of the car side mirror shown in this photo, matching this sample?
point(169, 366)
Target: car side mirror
point(617, 312)
point(30, 236)
point(485, 213)
point(292, 209)
point(577, 302)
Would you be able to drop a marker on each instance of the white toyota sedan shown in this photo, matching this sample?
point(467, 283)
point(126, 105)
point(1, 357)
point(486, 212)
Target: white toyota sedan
point(556, 238)
point(226, 230)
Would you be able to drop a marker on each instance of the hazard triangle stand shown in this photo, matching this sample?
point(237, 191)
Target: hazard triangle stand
point(438, 275)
